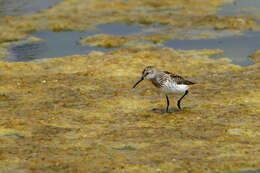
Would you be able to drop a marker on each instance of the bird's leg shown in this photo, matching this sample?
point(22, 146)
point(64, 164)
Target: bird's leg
point(179, 101)
point(168, 103)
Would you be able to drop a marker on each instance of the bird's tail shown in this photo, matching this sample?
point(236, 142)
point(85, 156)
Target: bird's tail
point(189, 82)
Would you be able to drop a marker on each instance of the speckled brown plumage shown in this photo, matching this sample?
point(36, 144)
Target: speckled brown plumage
point(167, 82)
point(178, 79)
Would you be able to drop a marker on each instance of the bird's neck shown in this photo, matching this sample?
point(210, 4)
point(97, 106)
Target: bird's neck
point(155, 82)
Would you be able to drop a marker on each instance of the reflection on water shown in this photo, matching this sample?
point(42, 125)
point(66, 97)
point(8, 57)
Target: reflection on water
point(238, 48)
point(24, 7)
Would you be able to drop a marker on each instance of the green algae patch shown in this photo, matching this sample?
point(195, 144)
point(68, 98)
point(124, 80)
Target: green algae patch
point(247, 132)
point(106, 40)
point(33, 39)
point(240, 23)
point(3, 49)
point(6, 133)
point(3, 52)
point(256, 56)
point(59, 114)
point(113, 41)
point(158, 38)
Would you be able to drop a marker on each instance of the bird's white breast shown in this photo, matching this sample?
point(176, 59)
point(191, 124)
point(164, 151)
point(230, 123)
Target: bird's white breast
point(171, 86)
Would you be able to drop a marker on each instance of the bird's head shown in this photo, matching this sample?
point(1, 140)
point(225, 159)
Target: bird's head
point(149, 73)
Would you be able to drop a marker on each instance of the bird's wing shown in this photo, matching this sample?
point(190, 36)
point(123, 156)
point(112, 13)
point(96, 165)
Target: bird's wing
point(178, 79)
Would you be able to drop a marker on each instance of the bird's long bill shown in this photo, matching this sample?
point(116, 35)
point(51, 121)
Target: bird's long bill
point(142, 78)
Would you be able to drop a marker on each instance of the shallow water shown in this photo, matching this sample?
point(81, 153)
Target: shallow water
point(58, 44)
point(54, 44)
point(24, 7)
point(237, 48)
point(118, 29)
point(256, 171)
point(240, 7)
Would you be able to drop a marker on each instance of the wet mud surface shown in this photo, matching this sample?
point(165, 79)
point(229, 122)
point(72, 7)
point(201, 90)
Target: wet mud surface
point(79, 112)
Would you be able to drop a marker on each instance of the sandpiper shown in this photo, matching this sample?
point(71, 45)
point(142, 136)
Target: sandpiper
point(166, 82)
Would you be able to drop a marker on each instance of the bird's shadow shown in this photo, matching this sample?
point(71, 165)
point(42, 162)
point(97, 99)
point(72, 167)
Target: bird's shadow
point(163, 111)
point(173, 110)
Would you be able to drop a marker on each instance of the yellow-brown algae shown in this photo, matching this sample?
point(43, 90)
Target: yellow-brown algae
point(81, 109)
point(33, 39)
point(106, 40)
point(158, 38)
point(85, 15)
point(79, 113)
point(256, 56)
point(3, 52)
